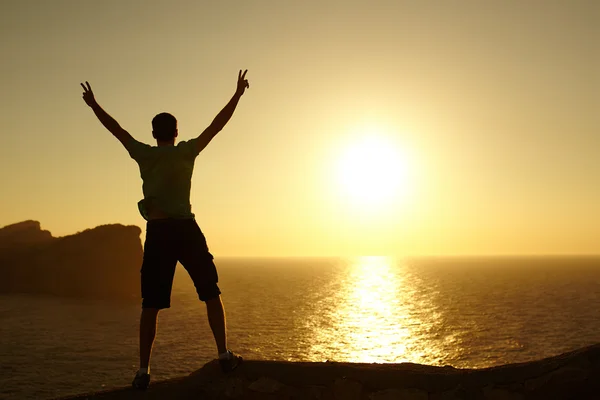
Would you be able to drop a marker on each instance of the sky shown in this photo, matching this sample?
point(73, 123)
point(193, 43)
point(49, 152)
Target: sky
point(370, 128)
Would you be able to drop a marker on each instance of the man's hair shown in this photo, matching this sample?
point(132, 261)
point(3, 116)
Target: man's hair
point(164, 126)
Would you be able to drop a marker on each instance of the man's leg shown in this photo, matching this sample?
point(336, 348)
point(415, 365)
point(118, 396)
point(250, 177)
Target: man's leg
point(197, 260)
point(148, 321)
point(147, 335)
point(216, 320)
point(158, 270)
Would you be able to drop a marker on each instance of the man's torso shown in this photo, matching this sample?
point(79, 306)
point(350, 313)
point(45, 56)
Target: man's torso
point(166, 172)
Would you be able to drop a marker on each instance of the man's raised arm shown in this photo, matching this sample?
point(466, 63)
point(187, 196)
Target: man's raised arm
point(225, 114)
point(109, 122)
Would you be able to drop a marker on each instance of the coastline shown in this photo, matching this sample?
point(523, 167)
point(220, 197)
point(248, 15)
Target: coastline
point(571, 375)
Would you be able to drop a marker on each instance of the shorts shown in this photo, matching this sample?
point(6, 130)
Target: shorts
point(169, 241)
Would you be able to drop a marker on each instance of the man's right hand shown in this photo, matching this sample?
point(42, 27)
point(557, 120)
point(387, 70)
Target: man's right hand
point(109, 122)
point(242, 83)
point(88, 95)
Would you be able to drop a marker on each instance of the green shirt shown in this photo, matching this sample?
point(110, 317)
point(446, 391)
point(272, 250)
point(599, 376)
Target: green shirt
point(166, 172)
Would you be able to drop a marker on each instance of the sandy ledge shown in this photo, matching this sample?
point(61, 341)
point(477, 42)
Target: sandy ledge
point(572, 375)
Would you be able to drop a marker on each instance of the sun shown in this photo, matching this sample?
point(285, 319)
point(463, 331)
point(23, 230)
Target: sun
point(372, 171)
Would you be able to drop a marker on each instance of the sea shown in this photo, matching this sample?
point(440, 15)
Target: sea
point(463, 312)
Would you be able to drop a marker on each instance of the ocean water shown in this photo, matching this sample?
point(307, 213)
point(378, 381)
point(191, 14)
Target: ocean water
point(459, 312)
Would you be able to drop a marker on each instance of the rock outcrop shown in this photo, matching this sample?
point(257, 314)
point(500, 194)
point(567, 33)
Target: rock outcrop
point(103, 262)
point(573, 375)
point(21, 234)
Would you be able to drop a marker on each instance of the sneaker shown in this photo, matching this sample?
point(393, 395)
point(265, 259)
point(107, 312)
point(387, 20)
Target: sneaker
point(141, 381)
point(230, 363)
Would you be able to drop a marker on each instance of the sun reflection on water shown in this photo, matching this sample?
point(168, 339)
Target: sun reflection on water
point(367, 316)
point(376, 315)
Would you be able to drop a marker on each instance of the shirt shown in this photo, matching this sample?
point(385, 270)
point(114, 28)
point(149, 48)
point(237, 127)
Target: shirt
point(166, 173)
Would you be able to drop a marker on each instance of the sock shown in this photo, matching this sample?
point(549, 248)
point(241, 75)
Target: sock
point(143, 371)
point(225, 356)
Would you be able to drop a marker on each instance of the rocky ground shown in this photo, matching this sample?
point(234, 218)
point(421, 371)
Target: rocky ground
point(573, 375)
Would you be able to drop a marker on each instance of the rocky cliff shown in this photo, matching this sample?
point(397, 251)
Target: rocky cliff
point(103, 262)
point(573, 375)
point(23, 234)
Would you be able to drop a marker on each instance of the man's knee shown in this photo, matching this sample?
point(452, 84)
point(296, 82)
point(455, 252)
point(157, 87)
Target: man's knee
point(213, 300)
point(150, 311)
point(210, 292)
point(157, 301)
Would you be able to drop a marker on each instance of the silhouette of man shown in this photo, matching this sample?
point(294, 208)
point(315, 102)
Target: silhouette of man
point(172, 233)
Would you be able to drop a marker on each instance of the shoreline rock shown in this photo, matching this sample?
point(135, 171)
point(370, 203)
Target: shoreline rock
point(101, 262)
point(572, 375)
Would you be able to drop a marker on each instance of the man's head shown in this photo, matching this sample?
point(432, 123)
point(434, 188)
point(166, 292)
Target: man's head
point(164, 127)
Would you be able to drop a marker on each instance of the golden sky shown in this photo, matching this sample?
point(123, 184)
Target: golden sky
point(488, 112)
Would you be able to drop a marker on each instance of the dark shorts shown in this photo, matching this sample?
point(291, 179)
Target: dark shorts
point(169, 241)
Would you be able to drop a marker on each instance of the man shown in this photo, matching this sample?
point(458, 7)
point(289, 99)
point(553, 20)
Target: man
point(172, 233)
